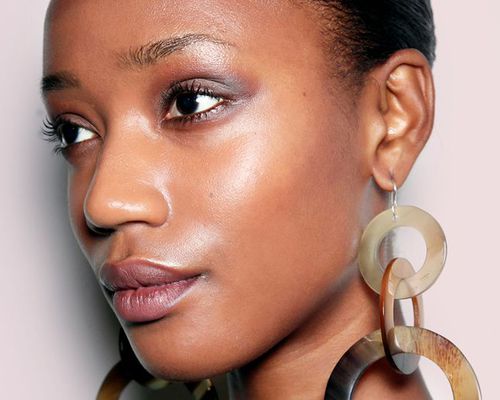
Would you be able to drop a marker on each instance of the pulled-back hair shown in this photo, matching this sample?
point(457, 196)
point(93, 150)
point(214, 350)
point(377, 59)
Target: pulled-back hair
point(364, 33)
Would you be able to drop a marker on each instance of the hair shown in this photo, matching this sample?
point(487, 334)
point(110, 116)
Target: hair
point(362, 34)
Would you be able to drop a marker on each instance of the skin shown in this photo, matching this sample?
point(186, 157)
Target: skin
point(267, 197)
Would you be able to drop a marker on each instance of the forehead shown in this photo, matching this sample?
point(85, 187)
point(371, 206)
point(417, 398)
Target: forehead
point(107, 27)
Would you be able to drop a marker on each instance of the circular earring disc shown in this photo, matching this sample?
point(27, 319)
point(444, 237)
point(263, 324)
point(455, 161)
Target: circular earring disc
point(435, 241)
point(397, 270)
point(413, 340)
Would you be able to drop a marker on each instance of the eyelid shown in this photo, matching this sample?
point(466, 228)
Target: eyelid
point(75, 119)
point(200, 86)
point(195, 85)
point(217, 100)
point(53, 133)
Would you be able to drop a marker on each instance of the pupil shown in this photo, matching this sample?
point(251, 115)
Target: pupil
point(186, 103)
point(69, 133)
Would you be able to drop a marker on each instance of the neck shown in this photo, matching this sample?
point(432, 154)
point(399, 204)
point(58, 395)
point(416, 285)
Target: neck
point(300, 365)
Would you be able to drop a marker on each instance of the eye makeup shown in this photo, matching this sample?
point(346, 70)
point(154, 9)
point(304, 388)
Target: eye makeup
point(65, 132)
point(187, 93)
point(194, 101)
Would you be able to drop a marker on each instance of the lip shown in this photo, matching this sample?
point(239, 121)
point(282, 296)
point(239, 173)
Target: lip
point(144, 291)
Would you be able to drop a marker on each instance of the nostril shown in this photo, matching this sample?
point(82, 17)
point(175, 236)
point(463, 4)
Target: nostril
point(97, 230)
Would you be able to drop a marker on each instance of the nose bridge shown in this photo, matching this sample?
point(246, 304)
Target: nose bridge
point(123, 188)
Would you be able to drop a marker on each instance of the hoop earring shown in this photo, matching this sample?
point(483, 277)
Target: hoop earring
point(402, 345)
point(129, 369)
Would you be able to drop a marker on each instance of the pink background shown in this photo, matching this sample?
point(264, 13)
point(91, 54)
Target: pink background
point(57, 334)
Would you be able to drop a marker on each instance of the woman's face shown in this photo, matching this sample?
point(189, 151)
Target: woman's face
point(207, 144)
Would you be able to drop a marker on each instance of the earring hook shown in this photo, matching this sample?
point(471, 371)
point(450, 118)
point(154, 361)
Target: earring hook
point(394, 200)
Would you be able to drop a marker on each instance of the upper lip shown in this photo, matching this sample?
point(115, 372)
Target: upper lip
point(136, 273)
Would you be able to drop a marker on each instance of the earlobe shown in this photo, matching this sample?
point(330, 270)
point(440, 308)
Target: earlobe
point(406, 108)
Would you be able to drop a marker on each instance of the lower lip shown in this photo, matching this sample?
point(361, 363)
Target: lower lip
point(150, 303)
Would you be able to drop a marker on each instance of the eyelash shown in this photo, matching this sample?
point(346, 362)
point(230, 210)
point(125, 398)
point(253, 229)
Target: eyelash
point(192, 87)
point(50, 127)
point(50, 134)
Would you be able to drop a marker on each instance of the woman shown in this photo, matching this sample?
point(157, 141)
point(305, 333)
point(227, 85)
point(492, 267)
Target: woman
point(224, 159)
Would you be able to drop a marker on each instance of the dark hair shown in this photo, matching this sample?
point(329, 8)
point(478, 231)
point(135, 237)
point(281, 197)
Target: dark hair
point(368, 32)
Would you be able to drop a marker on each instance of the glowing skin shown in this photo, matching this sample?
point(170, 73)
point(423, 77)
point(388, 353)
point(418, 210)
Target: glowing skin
point(264, 197)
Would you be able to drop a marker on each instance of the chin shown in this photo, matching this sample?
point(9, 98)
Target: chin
point(184, 354)
point(185, 366)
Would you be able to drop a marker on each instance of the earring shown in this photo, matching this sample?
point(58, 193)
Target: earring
point(129, 369)
point(402, 345)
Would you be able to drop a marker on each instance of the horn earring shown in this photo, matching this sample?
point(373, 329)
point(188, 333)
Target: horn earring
point(402, 345)
point(129, 369)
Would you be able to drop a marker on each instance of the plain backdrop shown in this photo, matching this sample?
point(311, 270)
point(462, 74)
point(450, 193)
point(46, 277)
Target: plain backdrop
point(57, 335)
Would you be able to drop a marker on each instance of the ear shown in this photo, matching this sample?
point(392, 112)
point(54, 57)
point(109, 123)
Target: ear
point(397, 116)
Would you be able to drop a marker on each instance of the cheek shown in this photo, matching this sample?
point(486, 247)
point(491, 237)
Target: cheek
point(78, 183)
point(293, 226)
point(283, 205)
point(77, 188)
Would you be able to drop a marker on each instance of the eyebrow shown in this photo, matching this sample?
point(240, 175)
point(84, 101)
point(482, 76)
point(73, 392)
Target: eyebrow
point(144, 55)
point(58, 81)
point(153, 52)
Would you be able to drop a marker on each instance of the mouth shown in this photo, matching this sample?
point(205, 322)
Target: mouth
point(143, 291)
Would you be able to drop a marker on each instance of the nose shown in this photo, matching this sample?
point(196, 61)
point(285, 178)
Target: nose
point(123, 189)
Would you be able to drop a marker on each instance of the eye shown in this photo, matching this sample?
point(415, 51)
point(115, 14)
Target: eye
point(65, 133)
point(192, 102)
point(70, 133)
